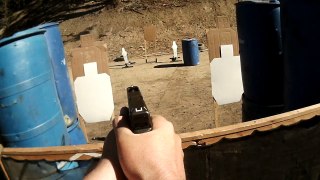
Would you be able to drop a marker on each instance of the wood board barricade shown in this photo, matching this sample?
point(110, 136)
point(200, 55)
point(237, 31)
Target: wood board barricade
point(213, 42)
point(218, 37)
point(89, 54)
point(222, 22)
point(96, 53)
point(105, 55)
point(150, 33)
point(87, 40)
point(249, 150)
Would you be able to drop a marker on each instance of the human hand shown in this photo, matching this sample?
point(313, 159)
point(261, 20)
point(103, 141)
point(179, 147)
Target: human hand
point(152, 155)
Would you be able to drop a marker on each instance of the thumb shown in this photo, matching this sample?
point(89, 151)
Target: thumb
point(120, 124)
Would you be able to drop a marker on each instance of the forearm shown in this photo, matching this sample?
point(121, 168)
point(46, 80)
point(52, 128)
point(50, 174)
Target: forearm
point(103, 170)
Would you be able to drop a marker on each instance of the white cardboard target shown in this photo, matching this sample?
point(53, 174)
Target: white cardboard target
point(94, 96)
point(226, 78)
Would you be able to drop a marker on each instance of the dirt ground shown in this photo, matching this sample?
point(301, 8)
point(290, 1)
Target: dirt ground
point(182, 94)
point(123, 26)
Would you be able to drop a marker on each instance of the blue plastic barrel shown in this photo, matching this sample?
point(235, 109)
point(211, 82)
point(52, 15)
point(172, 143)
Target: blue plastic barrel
point(253, 111)
point(30, 112)
point(76, 134)
point(300, 24)
point(261, 51)
point(190, 51)
point(60, 71)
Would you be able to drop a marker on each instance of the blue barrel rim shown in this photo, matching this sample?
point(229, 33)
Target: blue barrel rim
point(190, 39)
point(30, 133)
point(45, 25)
point(74, 124)
point(76, 133)
point(255, 3)
point(25, 85)
point(21, 35)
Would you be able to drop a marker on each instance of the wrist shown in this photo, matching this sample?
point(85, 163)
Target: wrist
point(159, 173)
point(103, 170)
point(174, 175)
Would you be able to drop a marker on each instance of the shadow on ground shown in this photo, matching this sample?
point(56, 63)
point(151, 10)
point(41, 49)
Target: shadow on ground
point(169, 65)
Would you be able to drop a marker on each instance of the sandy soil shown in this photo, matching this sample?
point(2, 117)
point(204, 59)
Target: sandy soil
point(180, 93)
point(174, 20)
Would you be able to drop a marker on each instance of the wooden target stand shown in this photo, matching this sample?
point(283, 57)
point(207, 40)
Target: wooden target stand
point(91, 50)
point(150, 36)
point(222, 35)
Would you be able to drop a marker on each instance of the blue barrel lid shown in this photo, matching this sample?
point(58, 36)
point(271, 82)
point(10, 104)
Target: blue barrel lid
point(190, 39)
point(43, 26)
point(21, 35)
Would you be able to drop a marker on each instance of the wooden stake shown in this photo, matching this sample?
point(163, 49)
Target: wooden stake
point(216, 113)
point(1, 164)
point(145, 50)
point(3, 169)
point(154, 50)
point(83, 127)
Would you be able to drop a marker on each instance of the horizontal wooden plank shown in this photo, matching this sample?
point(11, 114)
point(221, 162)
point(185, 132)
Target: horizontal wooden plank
point(267, 123)
point(54, 153)
point(54, 150)
point(282, 153)
point(197, 138)
point(51, 157)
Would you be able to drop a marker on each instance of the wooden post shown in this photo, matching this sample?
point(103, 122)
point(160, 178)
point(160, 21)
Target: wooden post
point(155, 50)
point(145, 50)
point(1, 164)
point(216, 113)
point(83, 127)
point(3, 169)
point(149, 35)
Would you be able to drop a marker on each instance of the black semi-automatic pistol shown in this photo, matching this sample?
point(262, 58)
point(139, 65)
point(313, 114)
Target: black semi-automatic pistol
point(139, 116)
